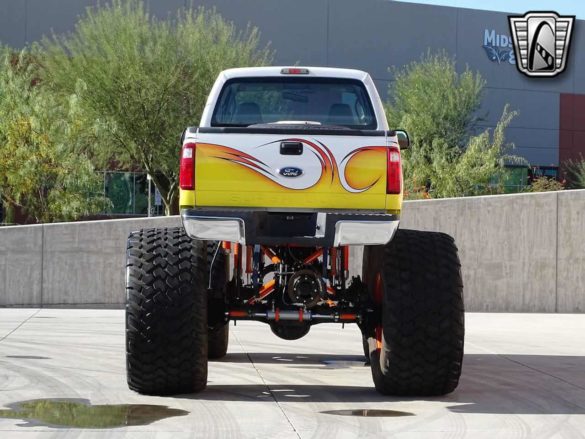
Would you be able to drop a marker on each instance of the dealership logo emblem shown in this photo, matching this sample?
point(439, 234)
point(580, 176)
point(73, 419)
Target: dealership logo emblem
point(541, 42)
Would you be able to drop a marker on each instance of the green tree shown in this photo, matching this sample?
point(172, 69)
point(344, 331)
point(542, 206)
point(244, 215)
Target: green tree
point(439, 108)
point(139, 81)
point(38, 170)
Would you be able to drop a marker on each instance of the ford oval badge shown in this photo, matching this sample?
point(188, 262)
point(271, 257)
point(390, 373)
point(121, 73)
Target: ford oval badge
point(290, 171)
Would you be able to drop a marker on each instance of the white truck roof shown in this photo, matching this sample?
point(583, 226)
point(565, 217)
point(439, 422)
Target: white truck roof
point(326, 72)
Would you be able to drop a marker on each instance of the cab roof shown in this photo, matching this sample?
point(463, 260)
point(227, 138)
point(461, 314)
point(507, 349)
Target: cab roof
point(276, 71)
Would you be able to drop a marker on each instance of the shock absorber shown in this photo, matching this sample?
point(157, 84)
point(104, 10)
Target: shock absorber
point(345, 262)
point(256, 263)
point(333, 259)
point(325, 275)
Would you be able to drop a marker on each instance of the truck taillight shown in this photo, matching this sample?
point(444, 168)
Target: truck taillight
point(187, 169)
point(393, 172)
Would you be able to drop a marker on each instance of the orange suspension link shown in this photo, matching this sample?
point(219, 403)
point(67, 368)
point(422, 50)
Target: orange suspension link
point(265, 290)
point(313, 257)
point(271, 255)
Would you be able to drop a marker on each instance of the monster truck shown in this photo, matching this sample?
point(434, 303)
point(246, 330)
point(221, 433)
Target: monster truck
point(288, 172)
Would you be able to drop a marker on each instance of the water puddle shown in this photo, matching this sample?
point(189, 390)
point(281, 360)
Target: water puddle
point(80, 413)
point(369, 413)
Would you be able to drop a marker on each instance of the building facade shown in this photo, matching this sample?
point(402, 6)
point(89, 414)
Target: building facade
point(374, 35)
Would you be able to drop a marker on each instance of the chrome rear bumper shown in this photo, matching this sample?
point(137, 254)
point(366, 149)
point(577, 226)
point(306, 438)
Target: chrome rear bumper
point(328, 229)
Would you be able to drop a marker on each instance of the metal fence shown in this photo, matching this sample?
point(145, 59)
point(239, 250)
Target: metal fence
point(129, 193)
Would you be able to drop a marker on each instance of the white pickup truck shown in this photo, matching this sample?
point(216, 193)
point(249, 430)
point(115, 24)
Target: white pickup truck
point(288, 168)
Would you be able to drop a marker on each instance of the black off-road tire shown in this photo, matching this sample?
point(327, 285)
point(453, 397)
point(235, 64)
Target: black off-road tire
point(218, 341)
point(366, 347)
point(218, 327)
point(421, 314)
point(166, 312)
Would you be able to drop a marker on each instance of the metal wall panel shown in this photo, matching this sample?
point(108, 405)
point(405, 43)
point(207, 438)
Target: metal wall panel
point(13, 23)
point(536, 109)
point(47, 16)
point(374, 35)
point(577, 57)
point(297, 30)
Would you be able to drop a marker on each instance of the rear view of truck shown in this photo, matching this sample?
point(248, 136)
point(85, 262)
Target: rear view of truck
point(288, 169)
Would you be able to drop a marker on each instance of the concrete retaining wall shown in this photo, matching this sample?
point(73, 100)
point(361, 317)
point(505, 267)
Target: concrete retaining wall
point(507, 247)
point(520, 253)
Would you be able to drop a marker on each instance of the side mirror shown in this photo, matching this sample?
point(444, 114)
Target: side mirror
point(403, 139)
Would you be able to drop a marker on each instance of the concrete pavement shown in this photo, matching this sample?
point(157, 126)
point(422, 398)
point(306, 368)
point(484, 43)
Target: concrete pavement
point(524, 377)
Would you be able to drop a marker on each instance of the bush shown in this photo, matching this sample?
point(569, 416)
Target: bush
point(575, 170)
point(439, 107)
point(545, 184)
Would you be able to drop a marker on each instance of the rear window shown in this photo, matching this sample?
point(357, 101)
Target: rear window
point(328, 101)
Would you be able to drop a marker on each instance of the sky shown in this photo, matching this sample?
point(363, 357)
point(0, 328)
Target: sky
point(563, 7)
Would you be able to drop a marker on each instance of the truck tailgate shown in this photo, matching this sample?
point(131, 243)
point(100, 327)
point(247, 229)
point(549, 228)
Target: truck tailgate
point(290, 171)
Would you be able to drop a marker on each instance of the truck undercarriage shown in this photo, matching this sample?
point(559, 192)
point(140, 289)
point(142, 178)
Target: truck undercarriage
point(292, 287)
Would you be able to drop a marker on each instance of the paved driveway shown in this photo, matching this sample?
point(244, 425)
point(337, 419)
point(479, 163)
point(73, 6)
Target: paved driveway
point(524, 376)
